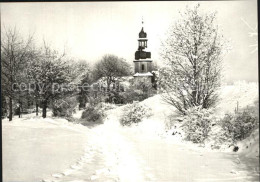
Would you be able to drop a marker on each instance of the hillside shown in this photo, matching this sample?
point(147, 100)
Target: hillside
point(164, 116)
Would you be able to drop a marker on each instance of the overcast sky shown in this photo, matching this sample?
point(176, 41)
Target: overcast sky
point(91, 29)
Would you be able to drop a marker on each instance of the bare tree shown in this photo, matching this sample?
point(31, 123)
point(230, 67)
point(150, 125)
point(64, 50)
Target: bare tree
point(15, 52)
point(193, 56)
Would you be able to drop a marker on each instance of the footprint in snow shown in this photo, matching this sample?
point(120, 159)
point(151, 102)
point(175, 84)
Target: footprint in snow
point(58, 175)
point(75, 167)
point(47, 180)
point(68, 172)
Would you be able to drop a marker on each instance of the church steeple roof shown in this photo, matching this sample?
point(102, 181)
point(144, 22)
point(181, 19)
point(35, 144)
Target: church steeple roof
point(142, 34)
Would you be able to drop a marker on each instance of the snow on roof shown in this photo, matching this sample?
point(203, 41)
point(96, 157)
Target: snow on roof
point(142, 39)
point(143, 74)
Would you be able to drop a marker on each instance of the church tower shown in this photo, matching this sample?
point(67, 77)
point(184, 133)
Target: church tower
point(143, 62)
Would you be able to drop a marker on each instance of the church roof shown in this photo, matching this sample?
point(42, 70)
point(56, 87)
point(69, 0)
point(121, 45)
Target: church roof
point(143, 74)
point(142, 34)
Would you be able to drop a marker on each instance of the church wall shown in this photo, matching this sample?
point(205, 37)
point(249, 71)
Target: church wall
point(137, 67)
point(147, 67)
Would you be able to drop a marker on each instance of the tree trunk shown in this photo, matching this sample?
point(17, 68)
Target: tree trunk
point(19, 109)
point(108, 90)
point(37, 108)
point(10, 108)
point(44, 109)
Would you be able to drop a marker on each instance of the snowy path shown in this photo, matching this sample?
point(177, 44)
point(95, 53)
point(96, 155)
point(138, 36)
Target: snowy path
point(122, 154)
point(35, 149)
point(49, 151)
point(173, 162)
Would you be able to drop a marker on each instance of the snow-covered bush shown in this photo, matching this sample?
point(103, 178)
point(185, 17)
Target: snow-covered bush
point(107, 106)
point(240, 124)
point(93, 101)
point(92, 114)
point(64, 107)
point(116, 97)
point(134, 113)
point(138, 91)
point(218, 138)
point(131, 95)
point(134, 94)
point(197, 123)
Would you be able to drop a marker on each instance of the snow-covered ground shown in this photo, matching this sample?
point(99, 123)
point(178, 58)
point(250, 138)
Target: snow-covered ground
point(34, 148)
point(53, 149)
point(240, 92)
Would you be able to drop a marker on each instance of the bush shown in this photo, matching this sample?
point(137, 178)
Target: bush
point(134, 94)
point(116, 97)
point(134, 113)
point(137, 91)
point(107, 106)
point(92, 114)
point(218, 138)
point(240, 125)
point(64, 107)
point(197, 123)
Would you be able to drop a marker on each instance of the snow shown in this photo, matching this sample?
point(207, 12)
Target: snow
point(53, 149)
point(142, 39)
point(250, 146)
point(242, 92)
point(143, 74)
point(77, 114)
point(35, 148)
point(245, 93)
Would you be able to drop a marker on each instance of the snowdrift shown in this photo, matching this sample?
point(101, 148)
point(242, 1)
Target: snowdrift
point(243, 93)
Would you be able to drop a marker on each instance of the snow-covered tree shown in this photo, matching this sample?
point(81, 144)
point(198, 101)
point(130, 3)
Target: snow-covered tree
point(49, 74)
point(111, 67)
point(15, 53)
point(78, 69)
point(192, 52)
point(81, 75)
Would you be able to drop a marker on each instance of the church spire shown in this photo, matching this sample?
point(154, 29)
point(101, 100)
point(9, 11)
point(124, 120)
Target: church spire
point(142, 34)
point(142, 45)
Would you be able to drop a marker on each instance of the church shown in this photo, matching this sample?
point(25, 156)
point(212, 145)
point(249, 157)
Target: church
point(143, 67)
